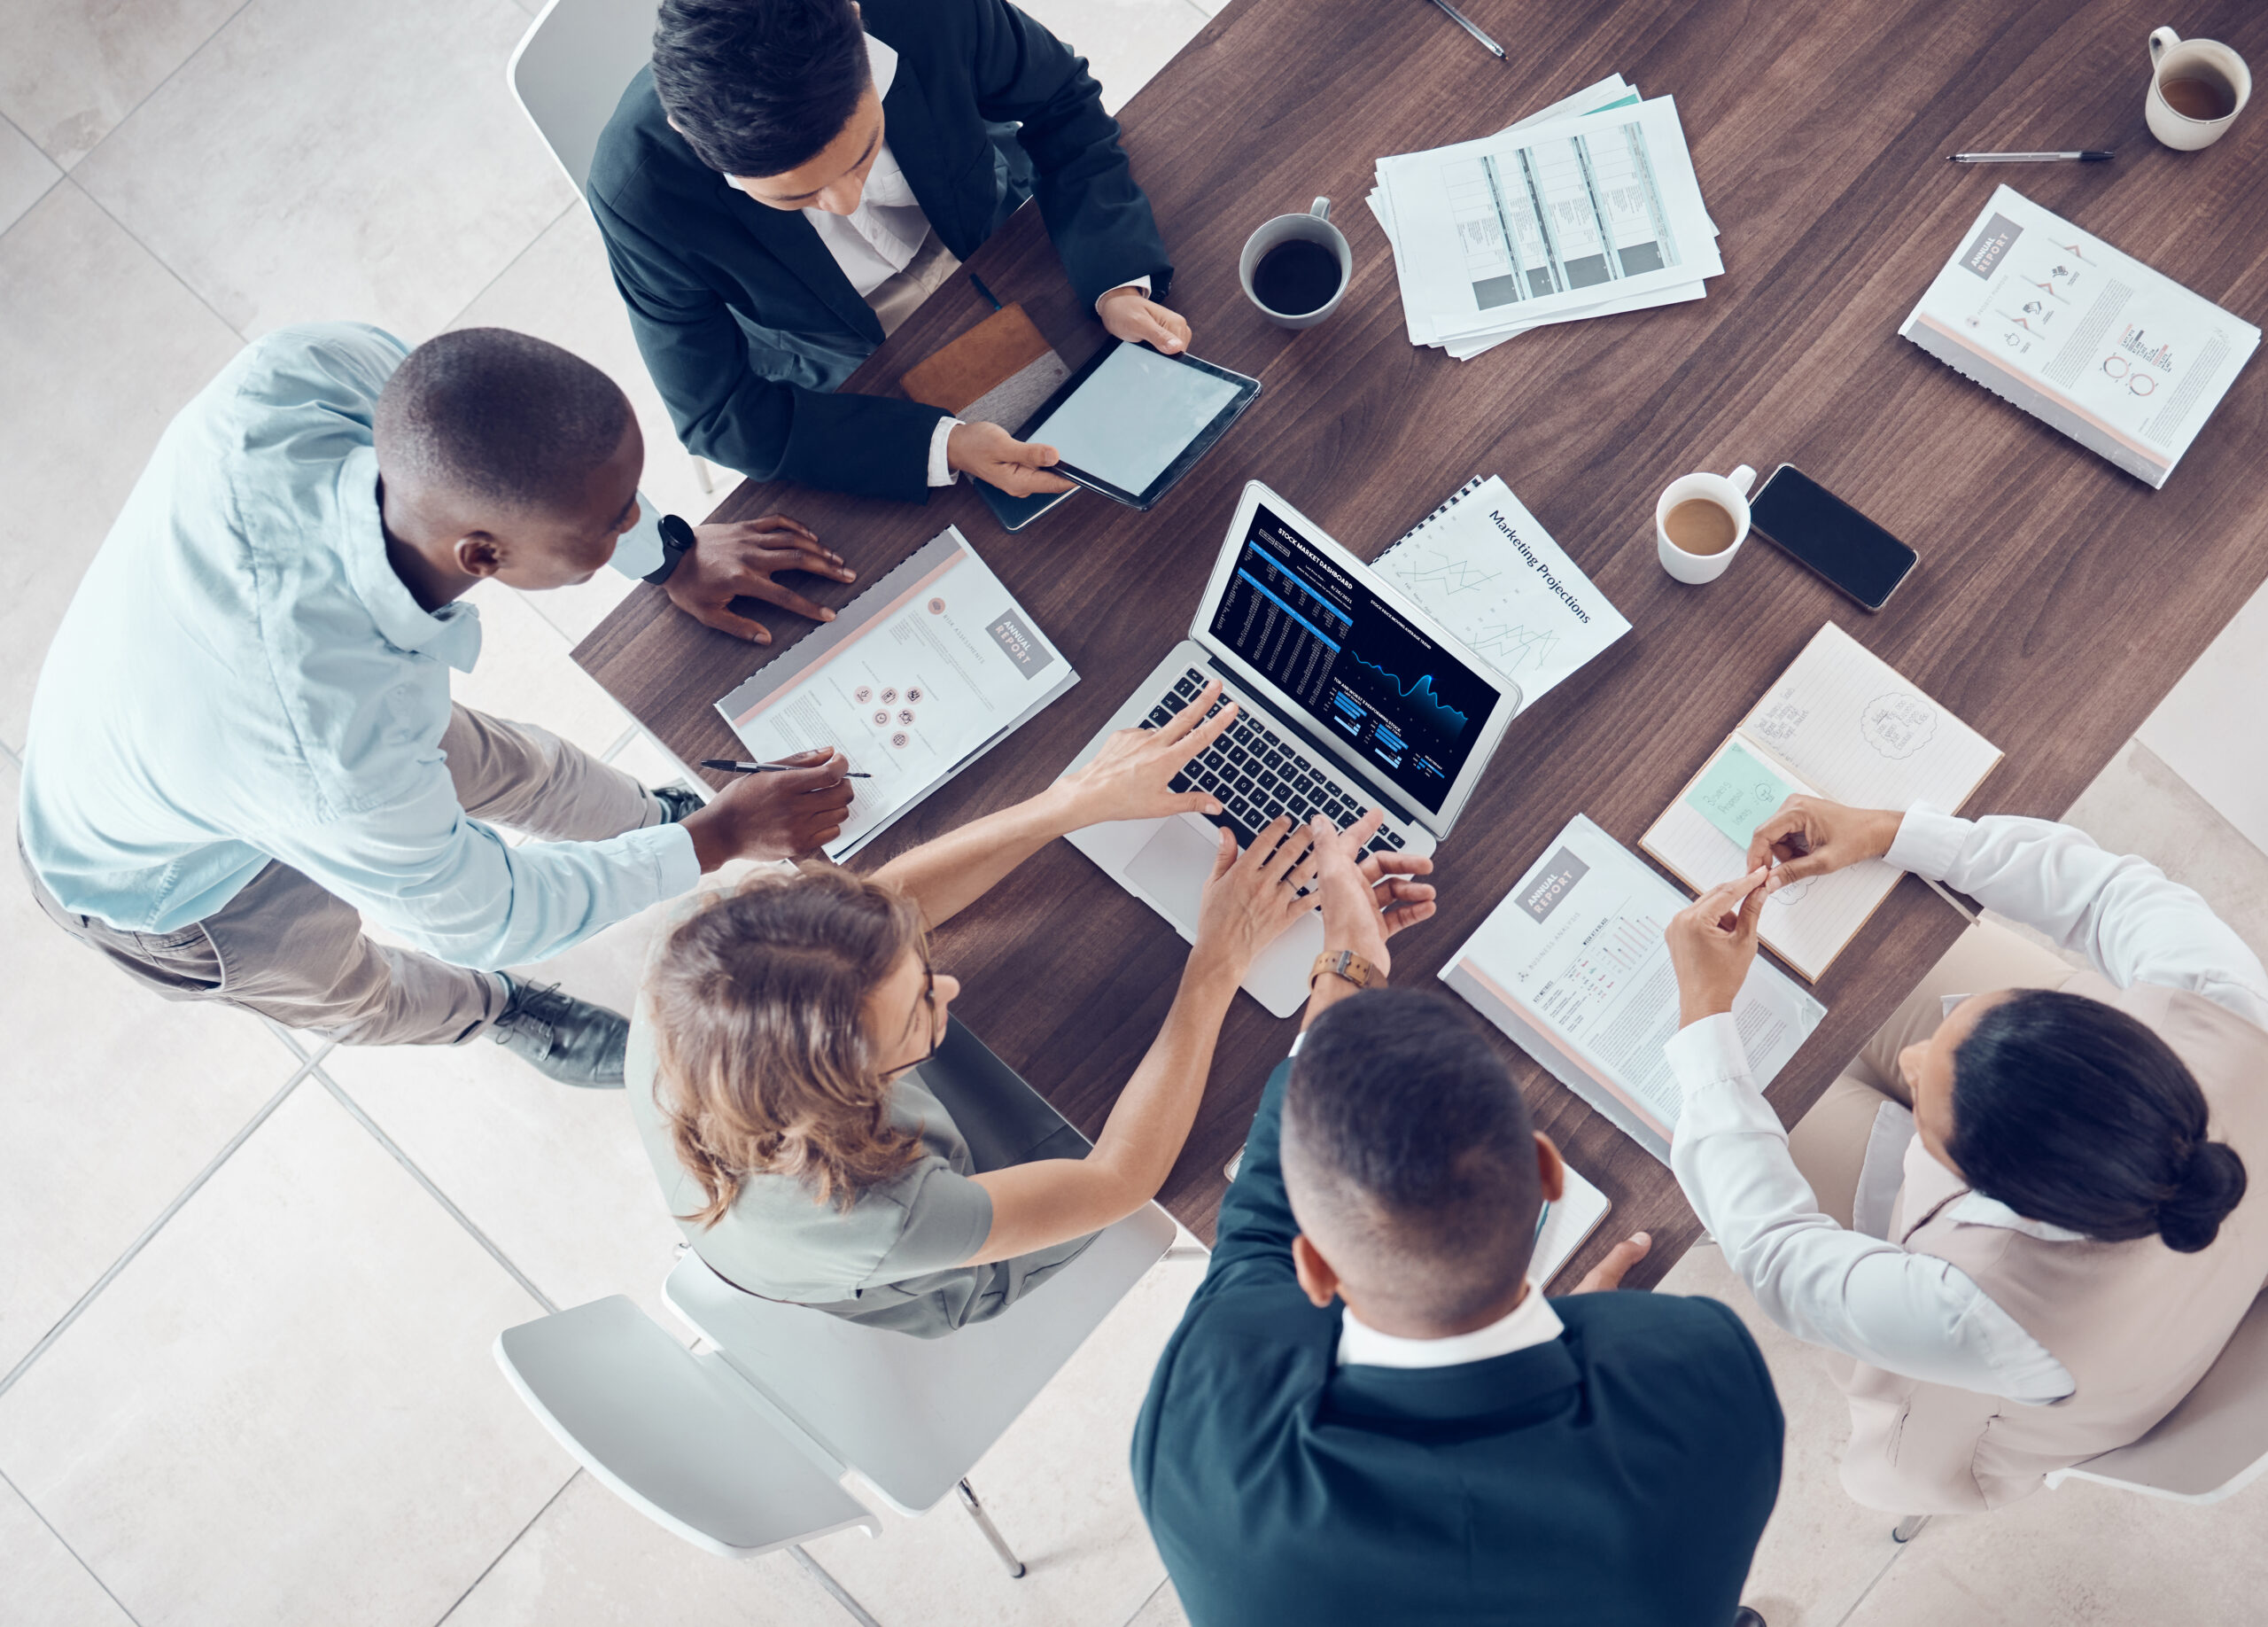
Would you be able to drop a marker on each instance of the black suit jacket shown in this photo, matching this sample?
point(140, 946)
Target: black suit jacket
point(747, 324)
point(1617, 1477)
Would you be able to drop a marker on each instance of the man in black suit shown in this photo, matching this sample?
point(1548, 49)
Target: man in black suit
point(1371, 1413)
point(789, 178)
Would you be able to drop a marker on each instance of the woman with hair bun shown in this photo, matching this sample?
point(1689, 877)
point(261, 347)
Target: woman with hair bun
point(2023, 1213)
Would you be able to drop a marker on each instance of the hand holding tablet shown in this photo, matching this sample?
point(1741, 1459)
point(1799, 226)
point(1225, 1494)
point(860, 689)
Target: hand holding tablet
point(1132, 423)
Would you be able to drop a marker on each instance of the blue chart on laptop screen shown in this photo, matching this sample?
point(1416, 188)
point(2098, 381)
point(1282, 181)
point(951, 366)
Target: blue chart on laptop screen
point(1359, 669)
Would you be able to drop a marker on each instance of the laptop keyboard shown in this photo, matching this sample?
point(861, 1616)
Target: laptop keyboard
point(1258, 775)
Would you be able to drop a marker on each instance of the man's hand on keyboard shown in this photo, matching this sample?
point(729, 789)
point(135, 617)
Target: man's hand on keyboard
point(1132, 776)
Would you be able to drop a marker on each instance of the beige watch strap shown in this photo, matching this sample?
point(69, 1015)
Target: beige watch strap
point(1340, 963)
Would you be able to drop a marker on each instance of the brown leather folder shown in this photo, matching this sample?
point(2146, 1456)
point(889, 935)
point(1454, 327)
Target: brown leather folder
point(998, 372)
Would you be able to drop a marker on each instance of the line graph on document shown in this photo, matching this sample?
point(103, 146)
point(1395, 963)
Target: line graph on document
point(1489, 623)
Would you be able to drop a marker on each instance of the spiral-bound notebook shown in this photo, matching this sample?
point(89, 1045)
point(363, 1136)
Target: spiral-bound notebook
point(1490, 574)
point(915, 679)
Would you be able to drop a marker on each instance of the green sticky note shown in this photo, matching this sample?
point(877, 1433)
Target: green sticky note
point(1739, 793)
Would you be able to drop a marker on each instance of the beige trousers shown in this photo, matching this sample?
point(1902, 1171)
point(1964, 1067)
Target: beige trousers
point(1829, 1143)
point(289, 950)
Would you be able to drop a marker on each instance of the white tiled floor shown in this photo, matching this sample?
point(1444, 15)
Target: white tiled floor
point(248, 1287)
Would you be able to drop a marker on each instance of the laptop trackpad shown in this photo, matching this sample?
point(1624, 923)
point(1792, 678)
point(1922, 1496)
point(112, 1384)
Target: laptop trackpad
point(1173, 866)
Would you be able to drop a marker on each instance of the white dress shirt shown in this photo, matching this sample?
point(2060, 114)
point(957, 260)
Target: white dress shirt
point(1912, 1313)
point(1532, 1321)
point(879, 239)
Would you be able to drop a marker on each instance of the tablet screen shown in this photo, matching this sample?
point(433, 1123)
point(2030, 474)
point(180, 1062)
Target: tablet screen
point(1134, 415)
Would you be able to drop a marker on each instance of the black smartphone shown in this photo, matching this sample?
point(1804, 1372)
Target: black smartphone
point(1834, 539)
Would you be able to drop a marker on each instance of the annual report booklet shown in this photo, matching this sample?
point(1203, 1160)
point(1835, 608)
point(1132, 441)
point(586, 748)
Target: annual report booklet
point(2126, 361)
point(1489, 572)
point(916, 678)
point(1843, 724)
point(1574, 970)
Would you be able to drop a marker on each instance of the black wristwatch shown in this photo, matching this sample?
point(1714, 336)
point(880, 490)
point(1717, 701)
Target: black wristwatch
point(677, 542)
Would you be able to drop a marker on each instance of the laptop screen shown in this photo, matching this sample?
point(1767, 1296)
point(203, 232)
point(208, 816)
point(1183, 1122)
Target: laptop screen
point(1356, 667)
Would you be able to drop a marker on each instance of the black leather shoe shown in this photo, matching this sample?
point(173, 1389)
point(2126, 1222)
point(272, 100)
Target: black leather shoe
point(1746, 1617)
point(677, 801)
point(565, 1039)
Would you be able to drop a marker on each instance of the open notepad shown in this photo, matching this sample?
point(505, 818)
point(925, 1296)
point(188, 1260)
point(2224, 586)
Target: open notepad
point(1566, 1223)
point(1841, 724)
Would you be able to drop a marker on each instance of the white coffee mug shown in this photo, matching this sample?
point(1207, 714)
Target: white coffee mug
point(1728, 492)
point(2171, 56)
point(1313, 227)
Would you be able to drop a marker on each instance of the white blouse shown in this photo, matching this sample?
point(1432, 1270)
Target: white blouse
point(1912, 1313)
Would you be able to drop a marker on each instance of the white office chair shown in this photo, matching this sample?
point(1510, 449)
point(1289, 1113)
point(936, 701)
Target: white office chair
point(678, 1436)
point(2212, 1445)
point(567, 73)
point(570, 68)
point(913, 1416)
point(741, 1451)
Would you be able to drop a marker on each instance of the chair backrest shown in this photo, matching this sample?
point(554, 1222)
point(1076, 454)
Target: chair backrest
point(913, 1415)
point(570, 68)
point(678, 1435)
point(2212, 1445)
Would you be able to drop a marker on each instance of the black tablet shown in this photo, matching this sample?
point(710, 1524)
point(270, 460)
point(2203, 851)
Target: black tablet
point(1132, 422)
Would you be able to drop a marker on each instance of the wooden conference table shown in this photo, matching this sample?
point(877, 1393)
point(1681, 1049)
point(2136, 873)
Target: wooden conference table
point(2056, 601)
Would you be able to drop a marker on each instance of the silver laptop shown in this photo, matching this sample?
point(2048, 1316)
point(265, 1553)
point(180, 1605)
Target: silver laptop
point(1351, 697)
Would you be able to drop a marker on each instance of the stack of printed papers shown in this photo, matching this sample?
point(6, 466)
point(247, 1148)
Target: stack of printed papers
point(1586, 209)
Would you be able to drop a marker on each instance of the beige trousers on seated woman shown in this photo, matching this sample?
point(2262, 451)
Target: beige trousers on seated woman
point(1829, 1143)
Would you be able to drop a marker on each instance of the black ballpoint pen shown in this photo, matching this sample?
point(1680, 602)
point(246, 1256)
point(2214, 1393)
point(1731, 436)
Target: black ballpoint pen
point(730, 767)
point(1472, 29)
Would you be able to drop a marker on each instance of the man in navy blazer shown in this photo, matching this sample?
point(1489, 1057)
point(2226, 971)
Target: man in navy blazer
point(789, 178)
point(1371, 1413)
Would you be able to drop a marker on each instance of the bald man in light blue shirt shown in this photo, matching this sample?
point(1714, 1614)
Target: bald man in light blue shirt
point(243, 742)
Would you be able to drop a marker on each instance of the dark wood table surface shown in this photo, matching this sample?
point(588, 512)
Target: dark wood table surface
point(2056, 601)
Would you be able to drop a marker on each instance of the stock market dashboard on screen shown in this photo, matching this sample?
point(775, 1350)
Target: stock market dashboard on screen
point(1357, 667)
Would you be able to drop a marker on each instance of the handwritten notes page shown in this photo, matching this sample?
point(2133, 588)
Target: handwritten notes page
point(1840, 723)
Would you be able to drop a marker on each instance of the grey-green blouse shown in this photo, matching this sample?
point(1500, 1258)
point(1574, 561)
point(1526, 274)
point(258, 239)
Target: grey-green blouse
point(893, 1258)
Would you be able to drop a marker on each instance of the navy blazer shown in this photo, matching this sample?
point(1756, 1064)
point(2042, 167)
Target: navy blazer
point(1617, 1477)
point(747, 324)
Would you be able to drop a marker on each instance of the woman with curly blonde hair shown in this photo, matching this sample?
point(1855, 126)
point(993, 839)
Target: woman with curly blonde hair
point(826, 1136)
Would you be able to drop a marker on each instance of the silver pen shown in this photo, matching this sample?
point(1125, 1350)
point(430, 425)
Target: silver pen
point(2088, 156)
point(1472, 29)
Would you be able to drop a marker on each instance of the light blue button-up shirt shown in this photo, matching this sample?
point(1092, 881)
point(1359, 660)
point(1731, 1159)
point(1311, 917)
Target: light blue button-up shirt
point(242, 677)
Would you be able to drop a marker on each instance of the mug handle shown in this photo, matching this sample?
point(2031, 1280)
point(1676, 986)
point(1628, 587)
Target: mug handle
point(1321, 208)
point(1741, 479)
point(2161, 41)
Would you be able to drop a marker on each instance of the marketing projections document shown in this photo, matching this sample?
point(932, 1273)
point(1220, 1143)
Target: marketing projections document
point(913, 680)
point(1573, 968)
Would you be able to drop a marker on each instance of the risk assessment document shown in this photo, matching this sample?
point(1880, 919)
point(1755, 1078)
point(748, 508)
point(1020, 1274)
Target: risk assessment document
point(1572, 967)
point(915, 679)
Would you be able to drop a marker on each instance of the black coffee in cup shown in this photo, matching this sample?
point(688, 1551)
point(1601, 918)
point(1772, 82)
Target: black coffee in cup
point(1296, 276)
